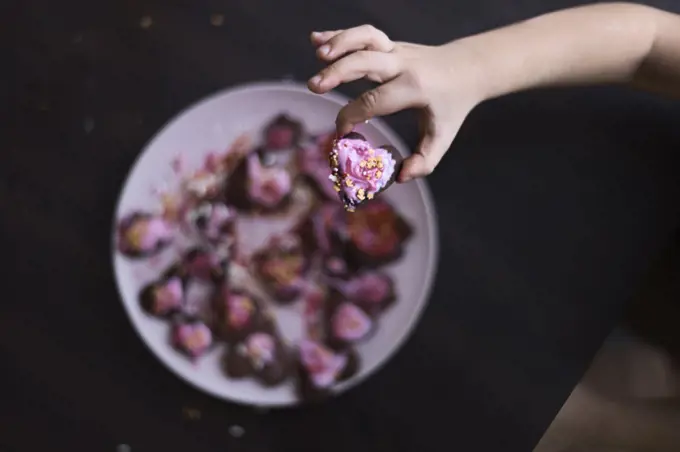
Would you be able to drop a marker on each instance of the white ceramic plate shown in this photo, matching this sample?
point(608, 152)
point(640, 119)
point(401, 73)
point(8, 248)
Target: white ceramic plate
point(212, 124)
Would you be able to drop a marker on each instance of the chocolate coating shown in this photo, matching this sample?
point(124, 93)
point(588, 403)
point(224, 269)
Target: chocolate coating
point(232, 332)
point(310, 393)
point(238, 364)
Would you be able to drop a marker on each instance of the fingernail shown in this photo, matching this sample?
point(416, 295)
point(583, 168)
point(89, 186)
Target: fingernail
point(316, 80)
point(316, 34)
point(325, 49)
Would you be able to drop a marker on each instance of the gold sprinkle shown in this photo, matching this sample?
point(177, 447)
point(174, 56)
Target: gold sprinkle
point(369, 195)
point(349, 182)
point(336, 188)
point(362, 163)
point(360, 194)
point(145, 22)
point(217, 20)
point(378, 174)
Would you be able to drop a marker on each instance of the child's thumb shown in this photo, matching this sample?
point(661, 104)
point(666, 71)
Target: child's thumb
point(426, 158)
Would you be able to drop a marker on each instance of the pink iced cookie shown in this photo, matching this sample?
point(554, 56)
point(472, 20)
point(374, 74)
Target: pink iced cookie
point(193, 338)
point(321, 363)
point(320, 368)
point(350, 324)
point(164, 297)
point(360, 171)
point(143, 235)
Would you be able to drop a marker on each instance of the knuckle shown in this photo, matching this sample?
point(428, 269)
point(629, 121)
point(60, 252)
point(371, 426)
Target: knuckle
point(369, 29)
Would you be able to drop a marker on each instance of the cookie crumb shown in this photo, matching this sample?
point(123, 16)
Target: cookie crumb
point(88, 125)
point(145, 22)
point(236, 431)
point(216, 20)
point(191, 414)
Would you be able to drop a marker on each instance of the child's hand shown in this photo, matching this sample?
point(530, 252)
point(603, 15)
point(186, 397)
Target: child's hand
point(440, 81)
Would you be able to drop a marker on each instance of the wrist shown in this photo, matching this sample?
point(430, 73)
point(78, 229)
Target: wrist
point(466, 72)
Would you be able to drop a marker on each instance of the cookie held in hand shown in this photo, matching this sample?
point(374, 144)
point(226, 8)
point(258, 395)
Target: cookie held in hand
point(360, 171)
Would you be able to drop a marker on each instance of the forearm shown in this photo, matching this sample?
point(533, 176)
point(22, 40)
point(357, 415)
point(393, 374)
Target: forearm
point(605, 43)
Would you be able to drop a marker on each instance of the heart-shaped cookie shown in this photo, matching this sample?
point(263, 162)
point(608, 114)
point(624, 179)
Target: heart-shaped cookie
point(360, 171)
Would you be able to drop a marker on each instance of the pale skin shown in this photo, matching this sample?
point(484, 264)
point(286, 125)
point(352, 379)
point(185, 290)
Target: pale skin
point(620, 43)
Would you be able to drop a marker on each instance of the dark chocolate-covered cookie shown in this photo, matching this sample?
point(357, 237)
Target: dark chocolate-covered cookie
point(360, 171)
point(191, 336)
point(317, 230)
point(164, 297)
point(346, 324)
point(373, 235)
point(254, 187)
point(281, 266)
point(239, 314)
point(261, 355)
point(319, 368)
point(372, 291)
point(143, 235)
point(282, 133)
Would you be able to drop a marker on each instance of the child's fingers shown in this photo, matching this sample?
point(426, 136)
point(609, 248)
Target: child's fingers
point(377, 66)
point(321, 37)
point(430, 152)
point(365, 37)
point(383, 100)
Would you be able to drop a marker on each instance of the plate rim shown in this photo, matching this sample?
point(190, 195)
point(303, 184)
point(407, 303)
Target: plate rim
point(432, 229)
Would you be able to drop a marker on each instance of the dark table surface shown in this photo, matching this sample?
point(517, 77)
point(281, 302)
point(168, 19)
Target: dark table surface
point(552, 205)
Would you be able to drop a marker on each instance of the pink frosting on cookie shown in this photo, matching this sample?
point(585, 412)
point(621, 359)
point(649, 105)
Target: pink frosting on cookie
point(362, 170)
point(167, 296)
point(350, 323)
point(313, 161)
point(261, 349)
point(321, 363)
point(240, 309)
point(194, 338)
point(144, 234)
point(267, 186)
point(369, 287)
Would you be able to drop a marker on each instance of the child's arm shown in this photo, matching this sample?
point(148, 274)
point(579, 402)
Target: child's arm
point(605, 43)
